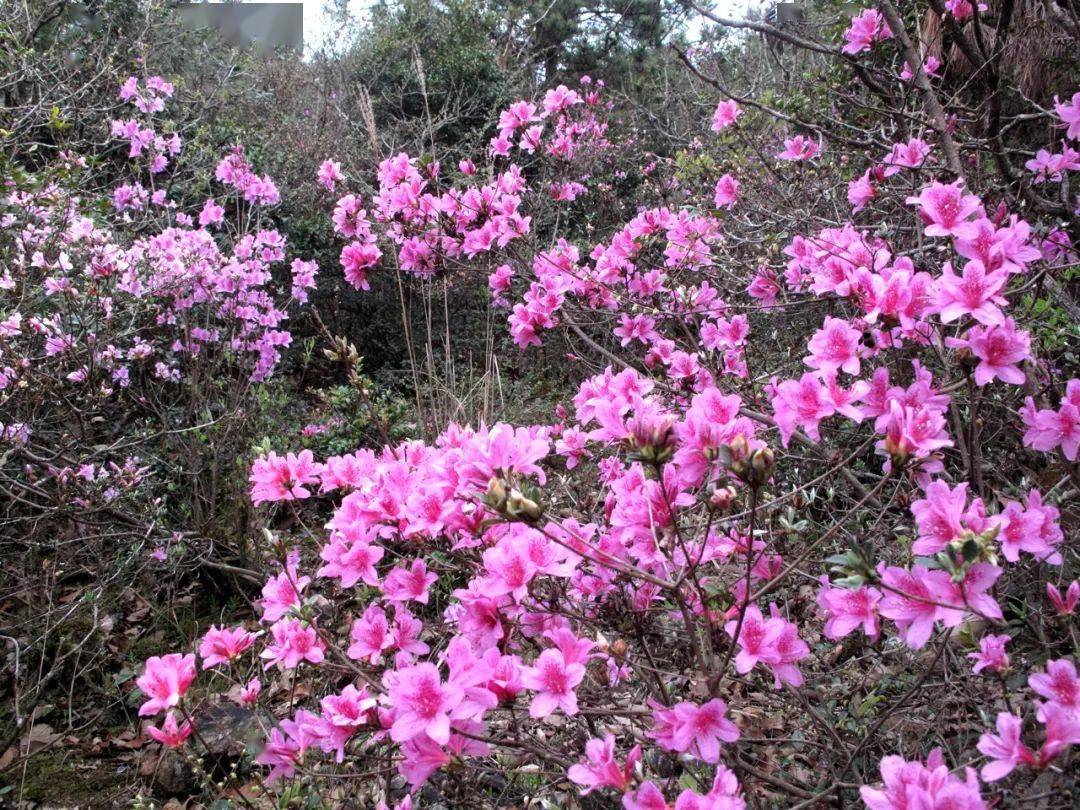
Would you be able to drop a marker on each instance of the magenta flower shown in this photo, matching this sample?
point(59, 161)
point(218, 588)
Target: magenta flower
point(943, 516)
point(991, 654)
point(1004, 749)
point(409, 584)
point(165, 680)
point(976, 293)
point(1064, 606)
point(799, 148)
point(847, 608)
point(351, 560)
point(910, 155)
point(293, 643)
point(170, 734)
point(1059, 684)
point(370, 636)
point(223, 645)
point(601, 769)
point(912, 784)
point(554, 680)
point(342, 716)
point(696, 730)
point(801, 403)
point(1069, 113)
point(946, 210)
point(999, 349)
point(834, 347)
point(422, 703)
point(1031, 528)
point(329, 174)
point(774, 642)
point(866, 29)
point(727, 192)
point(277, 478)
point(727, 112)
point(1048, 429)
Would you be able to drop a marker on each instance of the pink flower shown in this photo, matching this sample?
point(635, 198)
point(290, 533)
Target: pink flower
point(803, 403)
point(370, 636)
point(866, 29)
point(1048, 429)
point(352, 561)
point(1069, 113)
point(278, 478)
point(635, 327)
point(910, 601)
point(962, 9)
point(647, 797)
point(943, 516)
point(1047, 165)
point(282, 752)
point(910, 785)
point(696, 730)
point(910, 155)
point(554, 680)
point(847, 608)
point(281, 593)
point(211, 214)
point(946, 210)
point(976, 293)
point(343, 715)
point(1031, 528)
point(1004, 749)
point(403, 585)
point(171, 735)
point(247, 695)
point(930, 68)
point(835, 346)
point(165, 680)
point(601, 769)
point(422, 703)
point(860, 192)
point(999, 349)
point(727, 112)
point(1062, 730)
point(799, 148)
point(293, 643)
point(223, 645)
point(724, 795)
point(991, 654)
point(774, 643)
point(329, 174)
point(1067, 605)
point(727, 192)
point(1058, 684)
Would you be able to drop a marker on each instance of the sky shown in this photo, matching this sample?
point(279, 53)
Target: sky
point(321, 29)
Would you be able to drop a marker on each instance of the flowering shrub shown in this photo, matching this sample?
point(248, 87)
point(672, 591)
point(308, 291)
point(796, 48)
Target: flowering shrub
point(784, 470)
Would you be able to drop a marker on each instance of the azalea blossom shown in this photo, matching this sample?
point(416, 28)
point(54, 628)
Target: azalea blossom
point(946, 209)
point(223, 645)
point(727, 112)
point(693, 729)
point(170, 734)
point(799, 148)
point(866, 29)
point(555, 681)
point(991, 654)
point(601, 769)
point(164, 681)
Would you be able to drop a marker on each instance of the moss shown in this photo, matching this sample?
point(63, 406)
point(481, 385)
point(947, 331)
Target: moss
point(57, 778)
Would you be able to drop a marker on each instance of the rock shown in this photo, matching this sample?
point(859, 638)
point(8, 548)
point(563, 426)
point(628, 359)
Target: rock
point(226, 731)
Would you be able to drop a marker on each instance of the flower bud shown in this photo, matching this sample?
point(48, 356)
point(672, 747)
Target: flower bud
point(722, 498)
point(495, 497)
